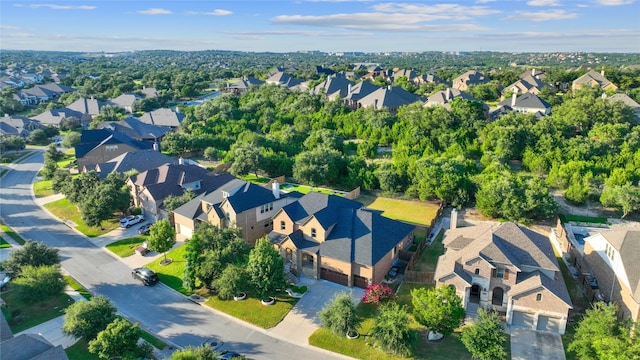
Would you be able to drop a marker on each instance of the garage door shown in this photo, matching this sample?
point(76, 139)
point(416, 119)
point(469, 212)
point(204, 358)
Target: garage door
point(522, 319)
point(361, 282)
point(334, 276)
point(548, 323)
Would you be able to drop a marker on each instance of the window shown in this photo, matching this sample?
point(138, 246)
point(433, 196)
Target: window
point(313, 233)
point(500, 273)
point(611, 252)
point(266, 207)
point(111, 147)
point(477, 271)
point(283, 226)
point(539, 297)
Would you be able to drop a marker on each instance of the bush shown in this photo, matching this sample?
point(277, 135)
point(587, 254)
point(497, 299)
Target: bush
point(299, 289)
point(377, 294)
point(38, 283)
point(339, 315)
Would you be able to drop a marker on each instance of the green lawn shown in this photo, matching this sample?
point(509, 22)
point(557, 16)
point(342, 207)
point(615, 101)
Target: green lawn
point(26, 316)
point(43, 188)
point(4, 244)
point(171, 275)
point(565, 218)
point(14, 156)
point(429, 256)
point(12, 234)
point(255, 179)
point(413, 211)
point(252, 311)
point(126, 247)
point(304, 189)
point(80, 351)
point(77, 287)
point(66, 210)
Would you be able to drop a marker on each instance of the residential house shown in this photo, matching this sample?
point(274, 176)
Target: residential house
point(526, 103)
point(27, 346)
point(390, 97)
point(470, 78)
point(333, 238)
point(528, 83)
point(87, 107)
point(54, 117)
point(410, 75)
point(136, 129)
point(242, 85)
point(536, 73)
point(334, 87)
point(149, 188)
point(236, 203)
point(430, 78)
point(357, 92)
point(507, 268)
point(149, 92)
point(17, 125)
point(283, 79)
point(593, 79)
point(613, 258)
point(125, 101)
point(141, 160)
point(445, 97)
point(163, 117)
point(102, 145)
point(625, 100)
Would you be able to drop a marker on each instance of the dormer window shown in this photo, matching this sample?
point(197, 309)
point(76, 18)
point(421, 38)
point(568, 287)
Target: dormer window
point(313, 233)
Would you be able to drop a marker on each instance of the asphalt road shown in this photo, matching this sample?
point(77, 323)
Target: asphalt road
point(158, 308)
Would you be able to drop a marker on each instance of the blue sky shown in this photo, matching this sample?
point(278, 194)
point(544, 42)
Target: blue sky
point(325, 25)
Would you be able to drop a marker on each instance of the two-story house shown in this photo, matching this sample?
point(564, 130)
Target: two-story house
point(593, 79)
point(469, 78)
point(99, 146)
point(507, 268)
point(237, 203)
point(613, 257)
point(333, 238)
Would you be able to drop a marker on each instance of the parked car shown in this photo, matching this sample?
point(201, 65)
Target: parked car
point(131, 220)
point(146, 275)
point(226, 355)
point(144, 229)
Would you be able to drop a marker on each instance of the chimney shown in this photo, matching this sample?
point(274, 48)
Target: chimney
point(448, 95)
point(375, 104)
point(349, 89)
point(533, 72)
point(454, 219)
point(513, 99)
point(156, 146)
point(177, 110)
point(602, 72)
point(389, 87)
point(144, 87)
point(604, 95)
point(275, 189)
point(180, 161)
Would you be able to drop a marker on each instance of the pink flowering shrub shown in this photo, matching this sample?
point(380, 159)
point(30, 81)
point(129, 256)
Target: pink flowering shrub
point(377, 294)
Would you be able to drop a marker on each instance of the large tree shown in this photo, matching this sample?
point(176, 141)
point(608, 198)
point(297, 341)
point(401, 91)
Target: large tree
point(485, 338)
point(38, 283)
point(391, 331)
point(87, 318)
point(162, 236)
point(600, 335)
point(120, 339)
point(266, 268)
point(31, 253)
point(246, 158)
point(625, 197)
point(339, 316)
point(318, 166)
point(439, 309)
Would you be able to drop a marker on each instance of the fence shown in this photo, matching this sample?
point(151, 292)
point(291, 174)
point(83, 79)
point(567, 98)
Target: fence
point(419, 277)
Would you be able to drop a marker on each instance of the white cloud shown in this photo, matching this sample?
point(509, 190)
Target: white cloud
point(57, 7)
point(615, 2)
point(446, 9)
point(484, 1)
point(18, 35)
point(540, 15)
point(286, 32)
point(9, 27)
point(155, 11)
point(216, 12)
point(543, 3)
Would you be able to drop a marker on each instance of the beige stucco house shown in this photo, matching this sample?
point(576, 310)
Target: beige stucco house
point(333, 238)
point(593, 79)
point(507, 268)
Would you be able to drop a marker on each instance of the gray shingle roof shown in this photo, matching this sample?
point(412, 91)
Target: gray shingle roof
point(627, 243)
point(31, 347)
point(528, 101)
point(135, 129)
point(532, 280)
point(389, 97)
point(140, 160)
point(163, 117)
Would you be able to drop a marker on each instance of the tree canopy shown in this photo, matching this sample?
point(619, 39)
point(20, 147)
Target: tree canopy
point(88, 318)
point(440, 309)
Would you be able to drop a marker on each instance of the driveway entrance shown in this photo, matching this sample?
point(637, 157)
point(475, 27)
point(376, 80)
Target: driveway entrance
point(536, 345)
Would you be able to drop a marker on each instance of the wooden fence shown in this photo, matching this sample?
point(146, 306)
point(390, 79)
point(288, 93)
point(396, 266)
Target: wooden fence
point(419, 277)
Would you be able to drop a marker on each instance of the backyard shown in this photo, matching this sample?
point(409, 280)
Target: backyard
point(413, 211)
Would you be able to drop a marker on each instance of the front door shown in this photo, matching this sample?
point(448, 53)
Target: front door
point(474, 297)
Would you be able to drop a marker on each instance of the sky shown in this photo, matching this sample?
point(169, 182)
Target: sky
point(324, 25)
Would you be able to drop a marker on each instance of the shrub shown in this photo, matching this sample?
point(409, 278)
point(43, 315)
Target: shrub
point(377, 294)
point(339, 315)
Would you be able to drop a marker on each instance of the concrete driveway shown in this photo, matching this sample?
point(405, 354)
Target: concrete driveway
point(302, 320)
point(536, 345)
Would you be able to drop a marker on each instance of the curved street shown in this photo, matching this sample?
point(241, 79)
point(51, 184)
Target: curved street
point(158, 309)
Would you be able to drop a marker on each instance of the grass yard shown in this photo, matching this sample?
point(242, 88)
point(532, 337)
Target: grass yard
point(171, 275)
point(304, 189)
point(429, 256)
point(42, 188)
point(417, 212)
point(69, 157)
point(80, 351)
point(12, 234)
point(77, 287)
point(126, 247)
point(8, 158)
point(255, 179)
point(565, 218)
point(4, 244)
point(25, 316)
point(253, 312)
point(68, 211)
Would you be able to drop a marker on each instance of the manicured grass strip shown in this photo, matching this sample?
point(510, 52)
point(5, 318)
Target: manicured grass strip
point(256, 180)
point(77, 287)
point(307, 189)
point(417, 212)
point(252, 311)
point(429, 257)
point(126, 247)
point(43, 188)
point(14, 157)
point(403, 295)
point(25, 316)
point(157, 343)
point(171, 275)
point(12, 234)
point(80, 351)
point(4, 244)
point(565, 218)
point(66, 210)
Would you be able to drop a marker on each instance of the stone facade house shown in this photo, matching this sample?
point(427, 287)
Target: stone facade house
point(336, 239)
point(593, 79)
point(507, 268)
point(470, 78)
point(99, 146)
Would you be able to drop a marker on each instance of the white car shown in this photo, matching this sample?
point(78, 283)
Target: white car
point(131, 220)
